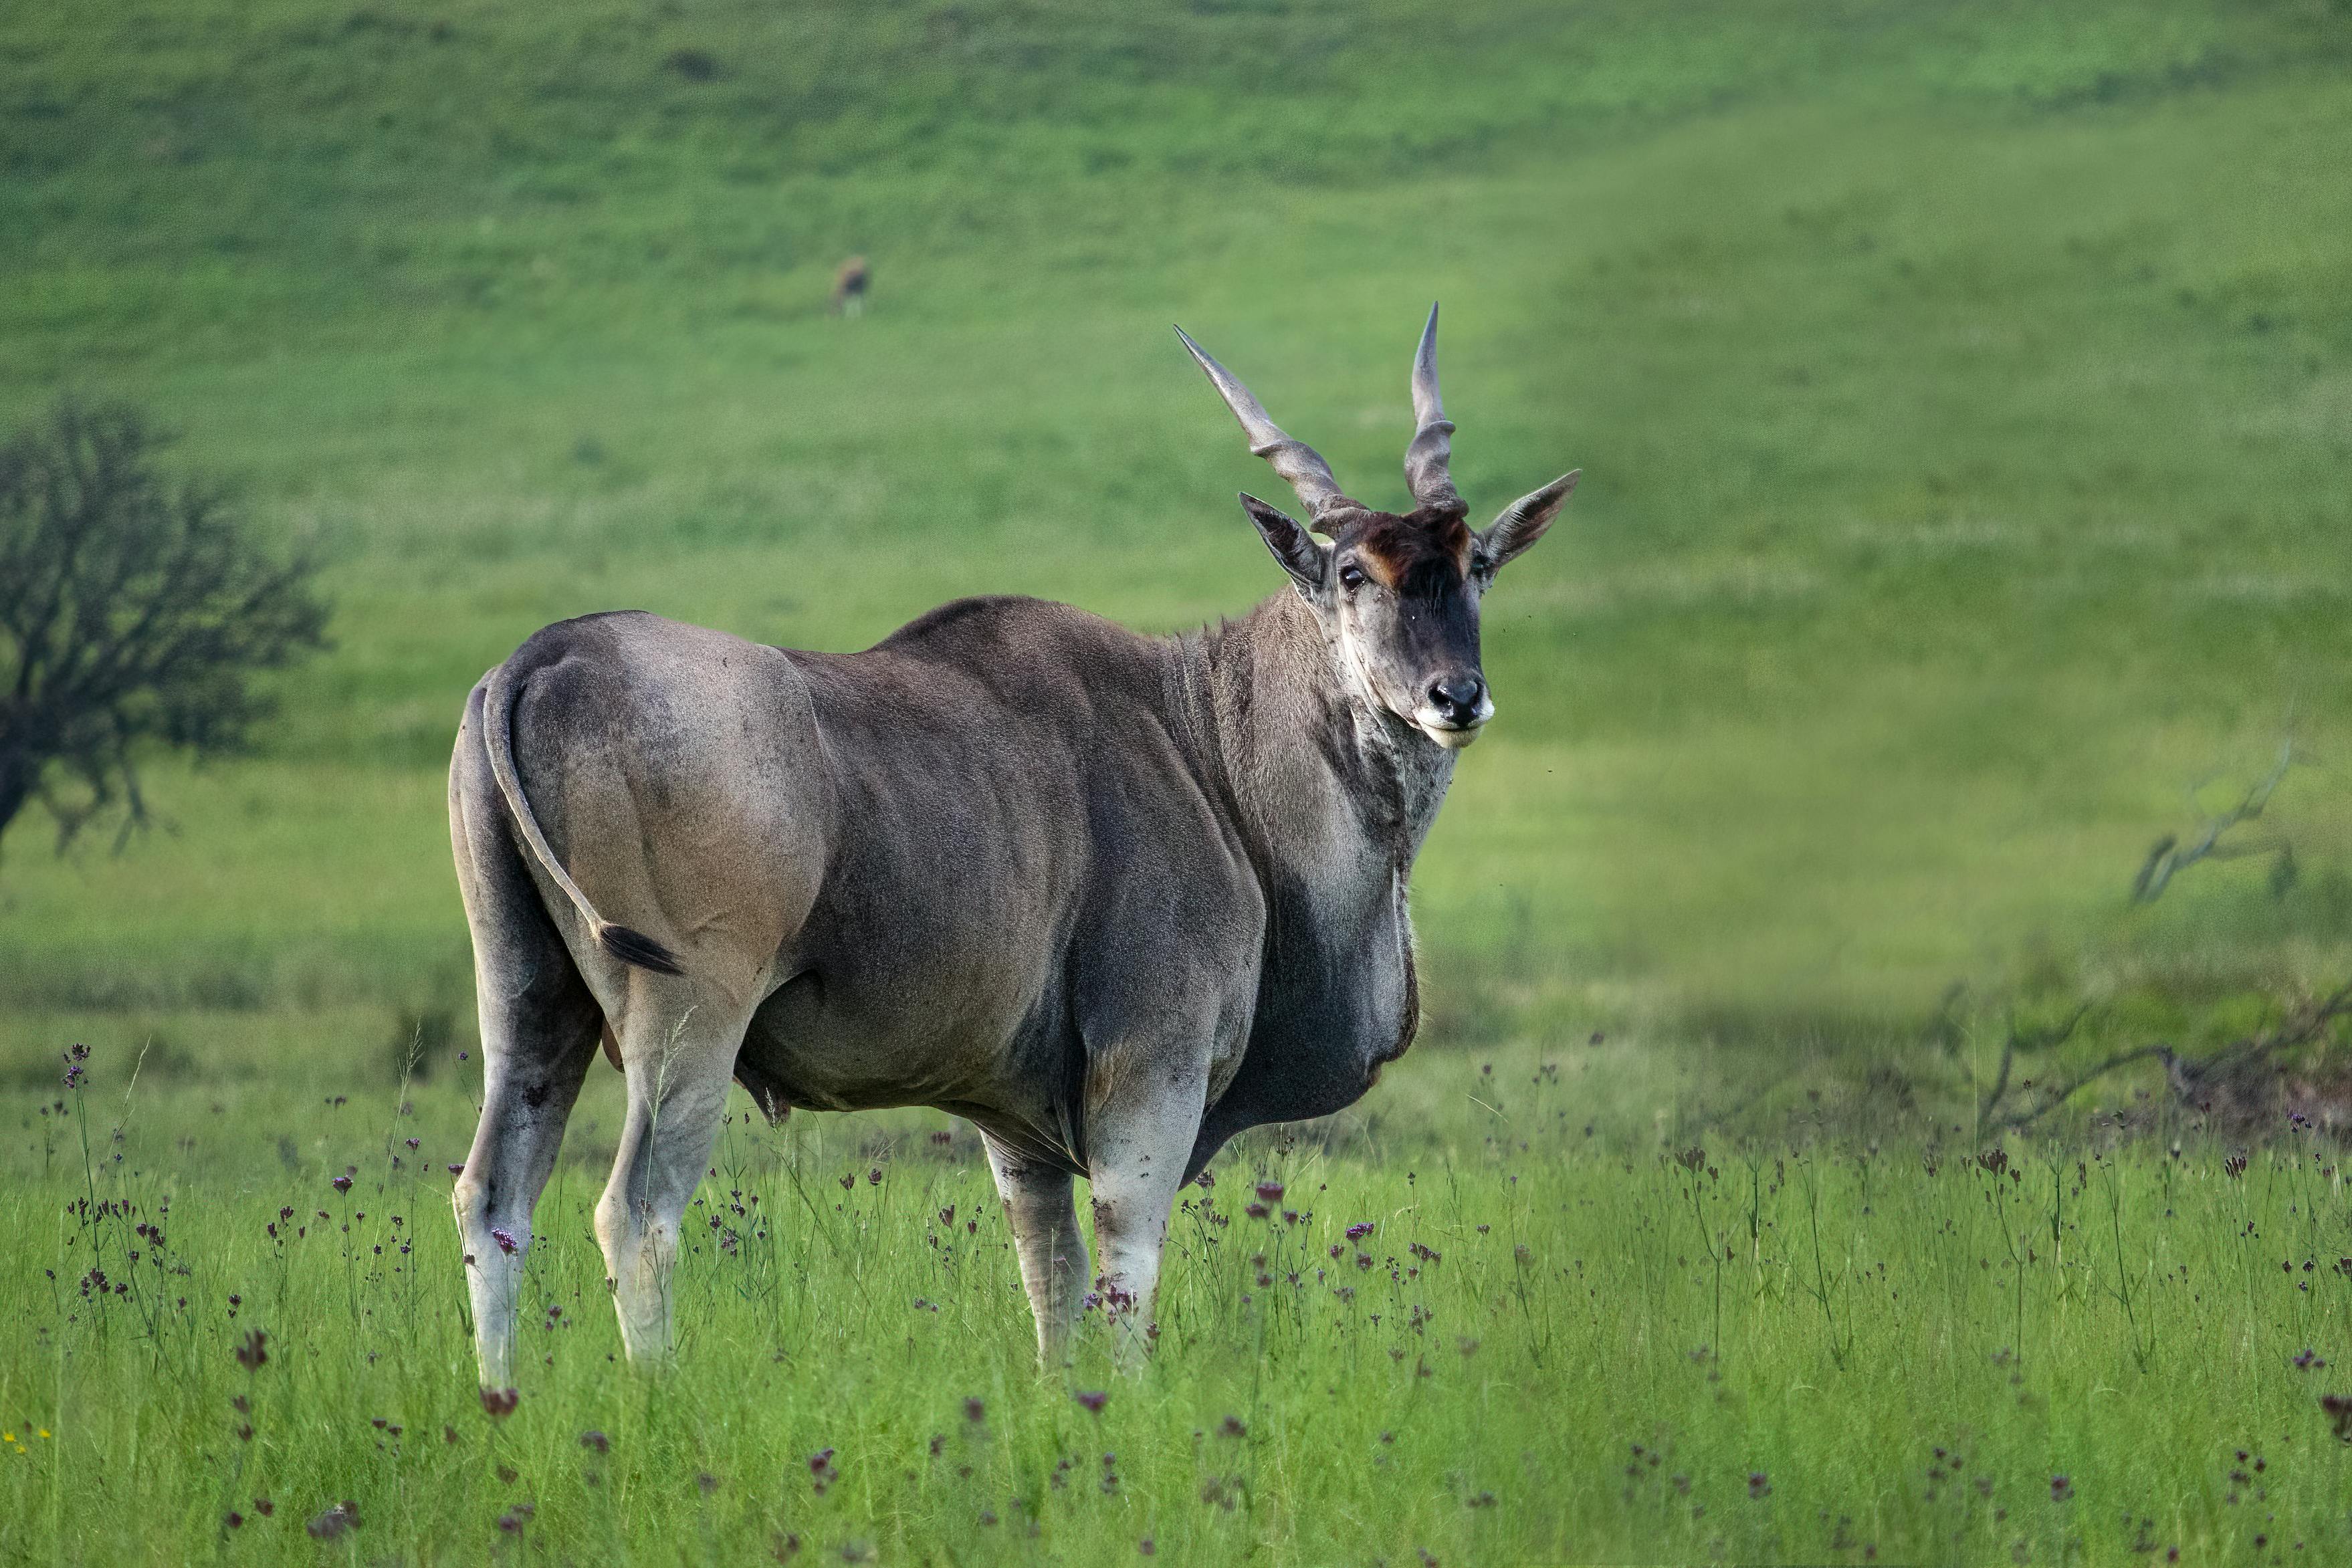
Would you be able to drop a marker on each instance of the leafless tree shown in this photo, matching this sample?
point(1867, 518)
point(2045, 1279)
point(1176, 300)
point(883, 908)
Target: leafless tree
point(135, 611)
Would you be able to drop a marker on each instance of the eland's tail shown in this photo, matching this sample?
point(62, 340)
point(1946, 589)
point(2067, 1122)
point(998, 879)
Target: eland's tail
point(501, 691)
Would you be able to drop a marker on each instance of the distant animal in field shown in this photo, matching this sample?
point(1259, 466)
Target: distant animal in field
point(850, 286)
point(1113, 898)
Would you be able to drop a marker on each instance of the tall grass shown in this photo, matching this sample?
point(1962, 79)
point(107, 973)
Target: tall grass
point(1471, 1324)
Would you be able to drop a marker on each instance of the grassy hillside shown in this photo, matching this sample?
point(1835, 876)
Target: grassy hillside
point(1964, 393)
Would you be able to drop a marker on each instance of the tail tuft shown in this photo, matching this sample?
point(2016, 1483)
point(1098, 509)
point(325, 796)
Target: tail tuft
point(636, 947)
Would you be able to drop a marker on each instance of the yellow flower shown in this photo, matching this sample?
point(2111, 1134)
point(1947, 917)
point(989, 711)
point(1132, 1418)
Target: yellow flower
point(7, 1436)
point(44, 1431)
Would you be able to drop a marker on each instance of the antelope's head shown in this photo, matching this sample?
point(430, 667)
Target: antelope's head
point(1397, 594)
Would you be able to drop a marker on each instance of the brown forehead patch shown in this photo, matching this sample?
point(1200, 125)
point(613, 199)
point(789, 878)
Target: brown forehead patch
point(1391, 548)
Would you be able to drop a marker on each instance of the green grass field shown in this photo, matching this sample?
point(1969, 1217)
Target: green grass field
point(2097, 1355)
point(1964, 395)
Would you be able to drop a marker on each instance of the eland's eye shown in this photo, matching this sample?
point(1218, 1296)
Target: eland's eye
point(1351, 576)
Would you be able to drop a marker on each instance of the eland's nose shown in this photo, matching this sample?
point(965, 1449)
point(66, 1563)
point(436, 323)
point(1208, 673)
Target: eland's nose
point(1457, 698)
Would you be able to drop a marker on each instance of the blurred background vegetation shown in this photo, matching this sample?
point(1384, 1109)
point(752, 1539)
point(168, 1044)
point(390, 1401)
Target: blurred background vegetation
point(1964, 393)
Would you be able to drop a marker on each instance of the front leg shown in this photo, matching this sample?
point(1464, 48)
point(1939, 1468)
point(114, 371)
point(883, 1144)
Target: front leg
point(1143, 1115)
point(1047, 1238)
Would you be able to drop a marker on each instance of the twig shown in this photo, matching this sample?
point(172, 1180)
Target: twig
point(2301, 1030)
point(2166, 859)
point(2040, 1039)
point(2053, 1098)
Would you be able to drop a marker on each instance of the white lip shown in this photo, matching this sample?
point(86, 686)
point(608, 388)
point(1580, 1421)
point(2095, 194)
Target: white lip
point(1453, 736)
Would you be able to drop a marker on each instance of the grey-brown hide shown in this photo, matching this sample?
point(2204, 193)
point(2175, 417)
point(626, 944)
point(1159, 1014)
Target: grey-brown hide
point(1113, 898)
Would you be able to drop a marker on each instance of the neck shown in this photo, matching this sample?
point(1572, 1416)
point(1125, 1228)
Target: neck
point(1314, 772)
point(1330, 799)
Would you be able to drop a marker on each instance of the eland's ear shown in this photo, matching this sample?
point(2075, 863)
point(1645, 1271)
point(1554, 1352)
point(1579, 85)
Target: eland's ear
point(1300, 556)
point(1523, 522)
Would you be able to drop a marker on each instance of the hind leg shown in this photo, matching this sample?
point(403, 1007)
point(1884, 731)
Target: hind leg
point(679, 1049)
point(1045, 1234)
point(539, 1026)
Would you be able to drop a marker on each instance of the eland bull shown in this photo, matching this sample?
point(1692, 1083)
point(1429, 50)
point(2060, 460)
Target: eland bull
point(1112, 898)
